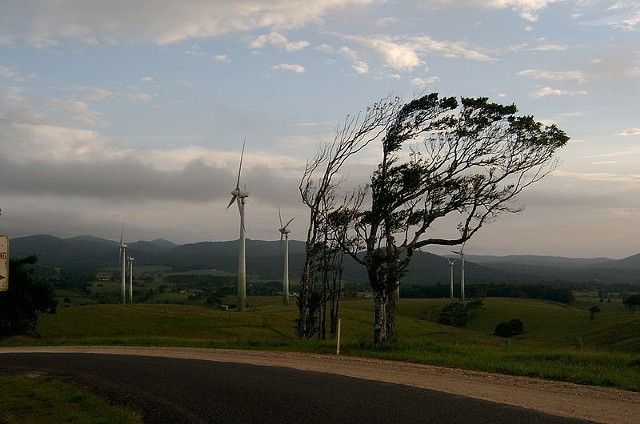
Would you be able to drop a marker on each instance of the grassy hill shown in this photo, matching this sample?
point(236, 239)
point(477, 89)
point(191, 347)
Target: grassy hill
point(609, 355)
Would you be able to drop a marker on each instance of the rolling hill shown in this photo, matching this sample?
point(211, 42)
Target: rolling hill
point(87, 254)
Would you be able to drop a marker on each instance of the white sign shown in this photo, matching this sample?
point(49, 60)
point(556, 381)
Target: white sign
point(4, 263)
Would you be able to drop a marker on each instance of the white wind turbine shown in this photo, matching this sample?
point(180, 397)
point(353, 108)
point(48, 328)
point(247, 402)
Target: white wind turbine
point(451, 263)
point(461, 253)
point(239, 196)
point(123, 263)
point(284, 232)
point(130, 259)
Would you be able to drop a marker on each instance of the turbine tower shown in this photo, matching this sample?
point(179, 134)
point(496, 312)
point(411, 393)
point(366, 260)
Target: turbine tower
point(123, 263)
point(461, 253)
point(130, 259)
point(451, 263)
point(239, 196)
point(284, 232)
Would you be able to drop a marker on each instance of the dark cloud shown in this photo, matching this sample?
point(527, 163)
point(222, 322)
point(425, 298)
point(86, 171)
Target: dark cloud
point(124, 179)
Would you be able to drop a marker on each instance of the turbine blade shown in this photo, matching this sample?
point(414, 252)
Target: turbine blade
point(285, 227)
point(280, 217)
point(233, 199)
point(240, 167)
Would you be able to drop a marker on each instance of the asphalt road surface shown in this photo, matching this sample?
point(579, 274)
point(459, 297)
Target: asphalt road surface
point(167, 390)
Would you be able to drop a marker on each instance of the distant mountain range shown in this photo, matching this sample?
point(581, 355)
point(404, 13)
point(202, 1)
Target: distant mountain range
point(87, 254)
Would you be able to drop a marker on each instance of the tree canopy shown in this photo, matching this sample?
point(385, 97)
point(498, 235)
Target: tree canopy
point(27, 297)
point(465, 159)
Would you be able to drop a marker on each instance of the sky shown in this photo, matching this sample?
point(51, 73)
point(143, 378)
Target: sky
point(134, 112)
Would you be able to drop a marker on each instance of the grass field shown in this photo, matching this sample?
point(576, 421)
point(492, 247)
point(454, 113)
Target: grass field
point(34, 399)
point(608, 357)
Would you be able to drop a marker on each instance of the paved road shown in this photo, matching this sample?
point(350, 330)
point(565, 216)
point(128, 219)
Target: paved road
point(168, 390)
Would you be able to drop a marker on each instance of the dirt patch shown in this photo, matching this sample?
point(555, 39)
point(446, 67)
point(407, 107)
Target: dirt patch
point(598, 404)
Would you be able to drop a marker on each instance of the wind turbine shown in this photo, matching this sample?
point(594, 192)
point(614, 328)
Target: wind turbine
point(239, 196)
point(123, 263)
point(461, 253)
point(284, 232)
point(451, 263)
point(130, 259)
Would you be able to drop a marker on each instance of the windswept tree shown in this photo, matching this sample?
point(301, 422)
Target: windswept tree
point(319, 191)
point(464, 160)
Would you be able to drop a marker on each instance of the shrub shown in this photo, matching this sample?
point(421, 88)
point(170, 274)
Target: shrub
point(458, 314)
point(509, 328)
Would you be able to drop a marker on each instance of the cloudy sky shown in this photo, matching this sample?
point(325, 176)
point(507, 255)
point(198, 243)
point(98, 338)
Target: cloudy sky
point(135, 111)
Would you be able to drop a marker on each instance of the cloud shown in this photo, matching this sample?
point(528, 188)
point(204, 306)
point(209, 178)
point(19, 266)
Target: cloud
point(538, 45)
point(629, 131)
point(624, 14)
point(298, 69)
point(60, 162)
point(278, 40)
point(139, 97)
point(527, 9)
point(398, 55)
point(540, 74)
point(168, 21)
point(451, 49)
point(50, 111)
point(222, 58)
point(95, 94)
point(405, 54)
point(633, 179)
point(548, 91)
point(13, 75)
point(423, 82)
point(360, 67)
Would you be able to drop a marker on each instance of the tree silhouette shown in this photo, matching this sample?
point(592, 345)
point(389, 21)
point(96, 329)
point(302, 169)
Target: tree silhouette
point(27, 297)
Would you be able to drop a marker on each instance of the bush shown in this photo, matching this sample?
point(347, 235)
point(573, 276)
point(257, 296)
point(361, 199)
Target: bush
point(458, 314)
point(509, 328)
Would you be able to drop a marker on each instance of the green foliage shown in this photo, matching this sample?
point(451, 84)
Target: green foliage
point(458, 314)
point(509, 328)
point(27, 297)
point(594, 311)
point(609, 356)
point(42, 399)
point(531, 291)
point(632, 302)
point(307, 325)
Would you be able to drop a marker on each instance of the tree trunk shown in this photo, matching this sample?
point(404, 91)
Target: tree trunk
point(391, 314)
point(303, 327)
point(381, 309)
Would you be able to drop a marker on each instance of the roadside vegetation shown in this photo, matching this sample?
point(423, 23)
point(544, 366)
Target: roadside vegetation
point(37, 398)
point(607, 354)
point(564, 341)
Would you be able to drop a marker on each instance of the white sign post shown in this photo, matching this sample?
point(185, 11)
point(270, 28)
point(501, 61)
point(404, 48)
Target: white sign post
point(4, 263)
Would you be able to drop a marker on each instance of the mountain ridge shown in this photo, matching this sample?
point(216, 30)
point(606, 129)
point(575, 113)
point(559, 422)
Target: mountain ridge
point(264, 258)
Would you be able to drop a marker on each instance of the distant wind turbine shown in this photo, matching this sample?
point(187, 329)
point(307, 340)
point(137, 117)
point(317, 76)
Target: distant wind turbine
point(284, 232)
point(123, 263)
point(451, 263)
point(239, 196)
point(461, 253)
point(130, 259)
